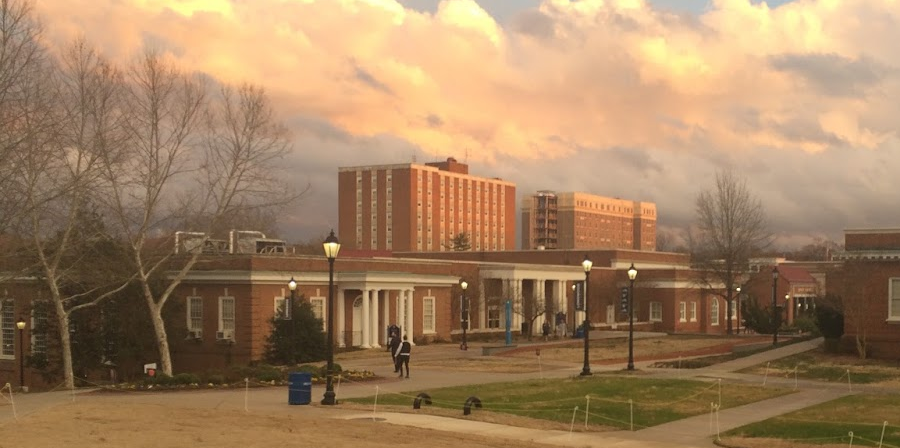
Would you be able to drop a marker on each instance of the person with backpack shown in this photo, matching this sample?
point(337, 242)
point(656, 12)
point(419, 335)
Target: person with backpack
point(393, 345)
point(402, 356)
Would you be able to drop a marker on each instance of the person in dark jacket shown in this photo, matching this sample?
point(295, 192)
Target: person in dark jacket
point(402, 354)
point(393, 345)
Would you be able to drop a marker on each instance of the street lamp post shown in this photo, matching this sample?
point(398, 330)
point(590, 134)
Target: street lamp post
point(787, 309)
point(20, 324)
point(287, 314)
point(775, 306)
point(332, 247)
point(586, 369)
point(738, 312)
point(632, 274)
point(464, 307)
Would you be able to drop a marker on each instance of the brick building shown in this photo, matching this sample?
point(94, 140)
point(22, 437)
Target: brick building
point(575, 220)
point(412, 207)
point(869, 287)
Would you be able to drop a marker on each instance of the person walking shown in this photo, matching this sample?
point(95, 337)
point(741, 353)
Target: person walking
point(403, 356)
point(545, 329)
point(393, 345)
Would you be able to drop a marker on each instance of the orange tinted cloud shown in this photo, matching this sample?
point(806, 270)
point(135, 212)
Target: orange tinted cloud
point(808, 75)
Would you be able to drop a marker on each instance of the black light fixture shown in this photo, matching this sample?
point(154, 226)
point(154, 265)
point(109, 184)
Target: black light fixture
point(738, 311)
point(464, 308)
point(287, 314)
point(586, 369)
point(20, 324)
point(775, 322)
point(332, 246)
point(632, 274)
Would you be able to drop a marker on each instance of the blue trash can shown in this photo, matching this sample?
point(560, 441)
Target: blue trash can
point(299, 388)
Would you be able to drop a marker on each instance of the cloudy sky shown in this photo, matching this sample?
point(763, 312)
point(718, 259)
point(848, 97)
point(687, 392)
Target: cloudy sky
point(636, 99)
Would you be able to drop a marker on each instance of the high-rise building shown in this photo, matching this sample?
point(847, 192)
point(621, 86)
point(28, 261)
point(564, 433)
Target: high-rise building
point(421, 208)
point(585, 221)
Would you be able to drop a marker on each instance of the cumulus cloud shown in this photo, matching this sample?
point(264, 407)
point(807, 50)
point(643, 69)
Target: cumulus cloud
point(624, 99)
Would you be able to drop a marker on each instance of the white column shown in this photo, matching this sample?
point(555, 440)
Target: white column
point(542, 301)
point(376, 329)
point(401, 310)
point(482, 312)
point(409, 315)
point(387, 312)
point(518, 291)
point(366, 319)
point(339, 316)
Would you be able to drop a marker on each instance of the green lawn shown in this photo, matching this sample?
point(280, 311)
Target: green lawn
point(831, 422)
point(655, 401)
point(823, 367)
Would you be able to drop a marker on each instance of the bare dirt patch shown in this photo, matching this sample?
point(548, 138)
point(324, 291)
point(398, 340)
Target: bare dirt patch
point(115, 424)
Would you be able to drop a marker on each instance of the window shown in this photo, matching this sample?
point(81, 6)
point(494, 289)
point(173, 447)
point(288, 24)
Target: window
point(279, 305)
point(655, 312)
point(714, 312)
point(733, 310)
point(693, 311)
point(7, 329)
point(194, 313)
point(682, 311)
point(39, 327)
point(493, 317)
point(428, 315)
point(226, 314)
point(318, 308)
point(894, 304)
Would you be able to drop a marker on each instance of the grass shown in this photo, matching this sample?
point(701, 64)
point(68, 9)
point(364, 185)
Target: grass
point(831, 422)
point(817, 365)
point(656, 401)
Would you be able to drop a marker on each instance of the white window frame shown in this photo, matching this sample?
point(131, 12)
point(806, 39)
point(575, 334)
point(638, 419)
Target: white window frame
point(734, 310)
point(40, 315)
point(493, 322)
point(693, 311)
point(682, 312)
point(428, 315)
point(655, 311)
point(319, 309)
point(227, 324)
point(7, 329)
point(278, 306)
point(190, 318)
point(714, 312)
point(893, 300)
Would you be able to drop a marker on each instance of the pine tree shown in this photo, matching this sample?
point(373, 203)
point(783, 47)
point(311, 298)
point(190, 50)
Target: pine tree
point(296, 341)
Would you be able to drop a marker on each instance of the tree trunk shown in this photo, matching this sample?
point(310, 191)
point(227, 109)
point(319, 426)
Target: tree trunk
point(65, 341)
point(159, 329)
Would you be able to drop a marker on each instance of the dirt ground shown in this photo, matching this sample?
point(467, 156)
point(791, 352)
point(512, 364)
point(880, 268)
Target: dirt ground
point(89, 424)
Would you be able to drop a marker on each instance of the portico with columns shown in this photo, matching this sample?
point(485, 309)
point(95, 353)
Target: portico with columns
point(537, 291)
point(367, 303)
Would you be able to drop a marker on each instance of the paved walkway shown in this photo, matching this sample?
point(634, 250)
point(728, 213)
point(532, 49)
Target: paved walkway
point(692, 432)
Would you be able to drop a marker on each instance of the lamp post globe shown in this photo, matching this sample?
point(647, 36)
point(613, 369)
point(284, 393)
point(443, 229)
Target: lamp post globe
point(332, 246)
point(464, 314)
point(632, 274)
point(586, 265)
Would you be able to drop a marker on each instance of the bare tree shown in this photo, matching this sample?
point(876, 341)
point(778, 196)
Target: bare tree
point(73, 125)
point(859, 300)
point(730, 227)
point(23, 62)
point(195, 162)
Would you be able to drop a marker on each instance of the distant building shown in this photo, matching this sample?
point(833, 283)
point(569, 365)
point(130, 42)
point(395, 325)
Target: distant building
point(412, 207)
point(585, 221)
